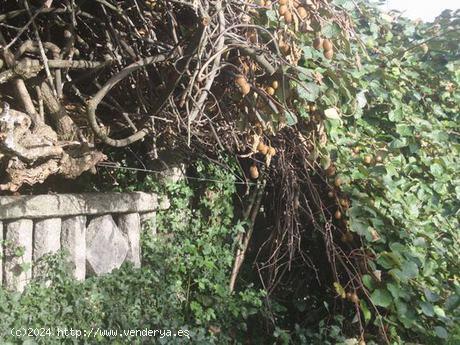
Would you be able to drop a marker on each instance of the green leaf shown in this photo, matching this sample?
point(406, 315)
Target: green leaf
point(398, 143)
point(441, 332)
point(436, 169)
point(345, 4)
point(381, 298)
point(409, 269)
point(365, 309)
point(368, 282)
point(439, 311)
point(291, 118)
point(339, 289)
point(331, 30)
point(308, 91)
point(427, 308)
point(431, 296)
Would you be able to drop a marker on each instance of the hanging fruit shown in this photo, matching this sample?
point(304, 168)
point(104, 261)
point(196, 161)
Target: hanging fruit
point(328, 54)
point(302, 12)
point(282, 10)
point(254, 172)
point(244, 86)
point(288, 17)
point(327, 44)
point(262, 148)
point(318, 43)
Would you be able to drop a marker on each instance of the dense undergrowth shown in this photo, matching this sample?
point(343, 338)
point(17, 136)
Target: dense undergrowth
point(388, 177)
point(182, 285)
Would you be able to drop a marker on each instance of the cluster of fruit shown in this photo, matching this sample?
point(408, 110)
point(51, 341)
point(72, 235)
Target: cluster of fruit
point(243, 84)
point(288, 7)
point(343, 202)
point(272, 88)
point(266, 150)
point(245, 87)
point(325, 44)
point(369, 159)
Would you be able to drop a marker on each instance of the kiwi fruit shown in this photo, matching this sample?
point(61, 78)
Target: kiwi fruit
point(344, 203)
point(284, 47)
point(338, 182)
point(338, 215)
point(270, 90)
point(245, 88)
point(282, 10)
point(275, 84)
point(327, 45)
point(302, 12)
point(262, 148)
point(330, 171)
point(354, 298)
point(328, 54)
point(367, 159)
point(240, 80)
point(254, 172)
point(330, 194)
point(318, 43)
point(288, 17)
point(271, 151)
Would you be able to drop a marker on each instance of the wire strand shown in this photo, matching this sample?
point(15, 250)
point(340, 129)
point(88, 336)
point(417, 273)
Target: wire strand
point(110, 165)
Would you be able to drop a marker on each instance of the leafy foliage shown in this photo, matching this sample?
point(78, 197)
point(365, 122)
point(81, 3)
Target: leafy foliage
point(408, 195)
point(374, 131)
point(183, 282)
point(389, 104)
point(394, 140)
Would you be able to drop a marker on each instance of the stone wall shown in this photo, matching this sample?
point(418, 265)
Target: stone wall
point(99, 232)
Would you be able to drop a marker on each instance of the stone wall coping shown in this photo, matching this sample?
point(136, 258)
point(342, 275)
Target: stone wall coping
point(67, 205)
